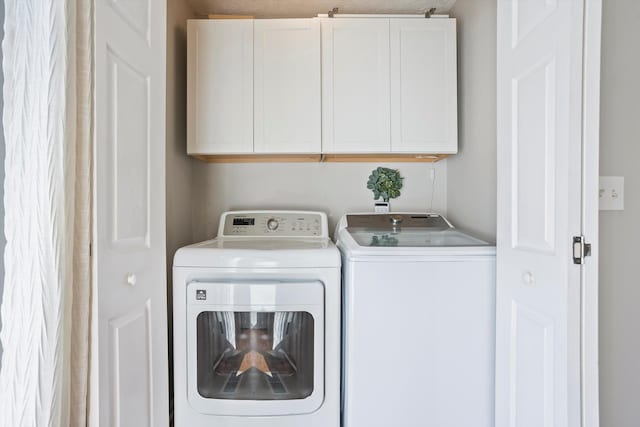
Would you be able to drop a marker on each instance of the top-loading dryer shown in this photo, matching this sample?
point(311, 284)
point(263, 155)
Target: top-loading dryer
point(257, 324)
point(419, 302)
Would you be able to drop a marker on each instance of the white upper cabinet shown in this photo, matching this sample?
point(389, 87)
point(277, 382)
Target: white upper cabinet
point(287, 86)
point(220, 86)
point(389, 85)
point(355, 85)
point(253, 86)
point(322, 85)
point(424, 116)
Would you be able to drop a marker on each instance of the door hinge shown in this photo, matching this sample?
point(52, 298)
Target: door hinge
point(581, 249)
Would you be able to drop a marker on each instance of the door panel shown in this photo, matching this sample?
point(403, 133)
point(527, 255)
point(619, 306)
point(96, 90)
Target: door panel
point(129, 128)
point(287, 85)
point(532, 346)
point(130, 355)
point(132, 386)
point(539, 78)
point(527, 15)
point(136, 14)
point(533, 138)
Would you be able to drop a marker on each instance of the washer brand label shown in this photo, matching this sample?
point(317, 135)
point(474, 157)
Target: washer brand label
point(201, 295)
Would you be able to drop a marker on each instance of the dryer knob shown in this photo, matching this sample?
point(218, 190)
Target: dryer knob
point(272, 224)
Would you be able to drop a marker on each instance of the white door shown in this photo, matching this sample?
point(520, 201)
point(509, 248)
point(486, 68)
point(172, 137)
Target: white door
point(129, 205)
point(220, 86)
point(539, 81)
point(424, 108)
point(287, 86)
point(355, 85)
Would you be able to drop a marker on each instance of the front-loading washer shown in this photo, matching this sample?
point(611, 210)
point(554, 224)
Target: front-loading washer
point(419, 322)
point(257, 324)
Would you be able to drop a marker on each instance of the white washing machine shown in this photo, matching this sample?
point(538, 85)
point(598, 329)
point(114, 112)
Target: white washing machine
point(257, 324)
point(418, 323)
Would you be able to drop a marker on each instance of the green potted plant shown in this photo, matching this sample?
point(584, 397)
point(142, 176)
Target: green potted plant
point(385, 184)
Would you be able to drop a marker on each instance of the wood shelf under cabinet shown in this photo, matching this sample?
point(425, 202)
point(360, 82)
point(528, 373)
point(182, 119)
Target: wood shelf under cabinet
point(217, 16)
point(344, 158)
point(258, 158)
point(383, 157)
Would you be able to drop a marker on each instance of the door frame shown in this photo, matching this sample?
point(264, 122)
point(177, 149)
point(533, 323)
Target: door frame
point(590, 212)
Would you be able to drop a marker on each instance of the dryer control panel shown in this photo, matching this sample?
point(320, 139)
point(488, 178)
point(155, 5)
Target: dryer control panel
point(273, 224)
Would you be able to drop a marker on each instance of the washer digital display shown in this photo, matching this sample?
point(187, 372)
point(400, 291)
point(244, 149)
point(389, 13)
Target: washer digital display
point(244, 221)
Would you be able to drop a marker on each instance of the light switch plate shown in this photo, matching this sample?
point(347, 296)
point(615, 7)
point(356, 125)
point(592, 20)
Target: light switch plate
point(611, 194)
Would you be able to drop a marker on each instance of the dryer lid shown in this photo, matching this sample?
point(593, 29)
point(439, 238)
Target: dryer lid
point(265, 239)
point(259, 253)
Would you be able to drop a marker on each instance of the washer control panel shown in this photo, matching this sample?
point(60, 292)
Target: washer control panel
point(273, 223)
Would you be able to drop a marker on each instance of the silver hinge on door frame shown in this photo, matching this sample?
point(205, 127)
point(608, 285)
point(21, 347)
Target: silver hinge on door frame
point(581, 249)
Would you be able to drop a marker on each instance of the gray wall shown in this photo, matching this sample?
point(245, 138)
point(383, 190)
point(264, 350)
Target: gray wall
point(620, 231)
point(334, 188)
point(471, 174)
point(178, 164)
point(2, 238)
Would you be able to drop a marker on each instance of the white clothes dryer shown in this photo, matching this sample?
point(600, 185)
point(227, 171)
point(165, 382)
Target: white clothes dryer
point(257, 324)
point(418, 322)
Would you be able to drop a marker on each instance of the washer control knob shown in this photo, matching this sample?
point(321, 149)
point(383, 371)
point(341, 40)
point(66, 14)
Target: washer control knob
point(272, 224)
point(396, 219)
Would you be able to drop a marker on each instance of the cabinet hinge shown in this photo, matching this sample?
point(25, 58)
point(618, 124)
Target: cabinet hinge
point(581, 249)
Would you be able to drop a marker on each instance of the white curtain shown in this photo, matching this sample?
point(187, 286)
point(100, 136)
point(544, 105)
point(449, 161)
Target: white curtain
point(47, 289)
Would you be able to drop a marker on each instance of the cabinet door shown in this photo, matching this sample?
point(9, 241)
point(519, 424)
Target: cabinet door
point(423, 86)
point(220, 86)
point(355, 85)
point(287, 85)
